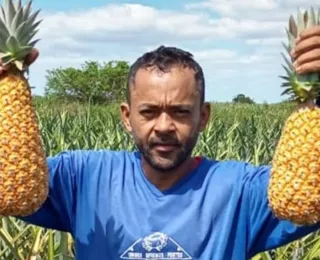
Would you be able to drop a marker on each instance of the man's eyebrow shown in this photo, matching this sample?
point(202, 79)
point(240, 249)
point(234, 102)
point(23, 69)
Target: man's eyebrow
point(148, 105)
point(182, 105)
point(177, 105)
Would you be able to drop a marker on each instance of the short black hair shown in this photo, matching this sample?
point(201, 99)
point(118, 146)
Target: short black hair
point(164, 58)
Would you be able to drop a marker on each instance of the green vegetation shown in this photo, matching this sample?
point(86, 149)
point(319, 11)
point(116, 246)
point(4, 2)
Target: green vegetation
point(236, 131)
point(240, 130)
point(93, 82)
point(241, 98)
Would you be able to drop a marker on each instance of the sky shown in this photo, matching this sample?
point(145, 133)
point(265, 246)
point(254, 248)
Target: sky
point(237, 43)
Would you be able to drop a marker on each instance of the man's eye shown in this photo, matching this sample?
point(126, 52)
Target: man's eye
point(147, 112)
point(182, 112)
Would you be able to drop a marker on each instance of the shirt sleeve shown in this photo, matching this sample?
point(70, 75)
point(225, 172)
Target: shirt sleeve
point(265, 231)
point(58, 211)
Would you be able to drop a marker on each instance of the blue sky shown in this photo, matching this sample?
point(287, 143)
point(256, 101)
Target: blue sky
point(238, 43)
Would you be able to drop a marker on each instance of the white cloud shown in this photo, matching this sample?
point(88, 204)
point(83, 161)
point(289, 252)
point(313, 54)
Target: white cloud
point(256, 17)
point(127, 23)
point(215, 55)
point(259, 9)
point(227, 57)
point(252, 29)
point(71, 37)
point(266, 41)
point(232, 7)
point(135, 24)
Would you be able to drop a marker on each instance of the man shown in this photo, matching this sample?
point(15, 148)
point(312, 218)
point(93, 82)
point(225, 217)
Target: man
point(159, 202)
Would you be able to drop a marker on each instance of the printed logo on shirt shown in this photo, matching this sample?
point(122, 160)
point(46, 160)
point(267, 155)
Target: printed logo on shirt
point(155, 246)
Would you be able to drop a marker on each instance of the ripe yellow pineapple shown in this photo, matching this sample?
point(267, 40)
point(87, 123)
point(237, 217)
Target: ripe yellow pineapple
point(23, 168)
point(294, 188)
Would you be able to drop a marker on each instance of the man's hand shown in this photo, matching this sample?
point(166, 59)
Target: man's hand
point(307, 51)
point(33, 55)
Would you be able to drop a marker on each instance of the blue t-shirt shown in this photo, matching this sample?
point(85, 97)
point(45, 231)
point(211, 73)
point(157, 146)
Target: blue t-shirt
point(218, 211)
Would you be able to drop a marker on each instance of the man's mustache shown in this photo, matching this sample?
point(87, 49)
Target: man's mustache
point(156, 141)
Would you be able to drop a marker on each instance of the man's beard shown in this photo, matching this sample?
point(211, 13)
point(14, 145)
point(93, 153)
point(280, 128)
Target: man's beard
point(175, 160)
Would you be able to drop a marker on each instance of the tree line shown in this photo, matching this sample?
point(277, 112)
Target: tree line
point(93, 82)
point(97, 83)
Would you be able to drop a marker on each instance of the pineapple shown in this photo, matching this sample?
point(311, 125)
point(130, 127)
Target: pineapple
point(23, 168)
point(294, 188)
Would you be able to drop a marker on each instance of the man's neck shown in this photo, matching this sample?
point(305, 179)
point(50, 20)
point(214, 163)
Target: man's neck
point(165, 180)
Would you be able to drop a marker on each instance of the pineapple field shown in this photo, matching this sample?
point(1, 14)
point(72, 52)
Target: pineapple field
point(246, 132)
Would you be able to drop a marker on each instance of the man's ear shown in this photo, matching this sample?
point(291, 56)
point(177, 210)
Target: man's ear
point(205, 116)
point(125, 116)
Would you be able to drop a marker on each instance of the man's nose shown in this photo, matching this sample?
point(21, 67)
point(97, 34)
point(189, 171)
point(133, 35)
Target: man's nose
point(164, 123)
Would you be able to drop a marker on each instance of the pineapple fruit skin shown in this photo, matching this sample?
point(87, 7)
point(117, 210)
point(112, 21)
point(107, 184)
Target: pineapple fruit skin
point(294, 187)
point(23, 168)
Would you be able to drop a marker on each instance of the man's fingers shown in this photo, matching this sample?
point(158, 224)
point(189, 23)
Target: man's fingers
point(306, 45)
point(307, 57)
point(4, 68)
point(313, 66)
point(309, 32)
point(32, 56)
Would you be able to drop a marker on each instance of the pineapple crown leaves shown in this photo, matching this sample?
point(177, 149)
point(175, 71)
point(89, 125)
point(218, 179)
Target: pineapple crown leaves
point(306, 87)
point(18, 26)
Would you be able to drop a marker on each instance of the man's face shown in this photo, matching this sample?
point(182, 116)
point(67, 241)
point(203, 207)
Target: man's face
point(165, 116)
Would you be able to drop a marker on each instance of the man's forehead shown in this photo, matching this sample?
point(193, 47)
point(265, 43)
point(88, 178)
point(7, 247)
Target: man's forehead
point(178, 85)
point(173, 79)
point(158, 99)
point(161, 71)
point(173, 92)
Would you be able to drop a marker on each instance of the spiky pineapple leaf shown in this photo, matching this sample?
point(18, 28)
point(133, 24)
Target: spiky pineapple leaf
point(287, 91)
point(300, 22)
point(26, 10)
point(314, 77)
point(10, 11)
point(291, 40)
point(20, 29)
point(287, 32)
point(3, 34)
point(4, 55)
point(7, 59)
point(289, 73)
point(33, 43)
point(2, 43)
point(19, 5)
point(33, 17)
point(293, 27)
point(300, 78)
point(4, 29)
point(285, 78)
point(15, 22)
point(12, 45)
point(23, 51)
point(18, 26)
point(3, 18)
point(312, 18)
point(286, 47)
point(23, 37)
point(305, 18)
point(34, 27)
point(306, 86)
point(286, 84)
point(289, 64)
point(19, 64)
point(28, 37)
